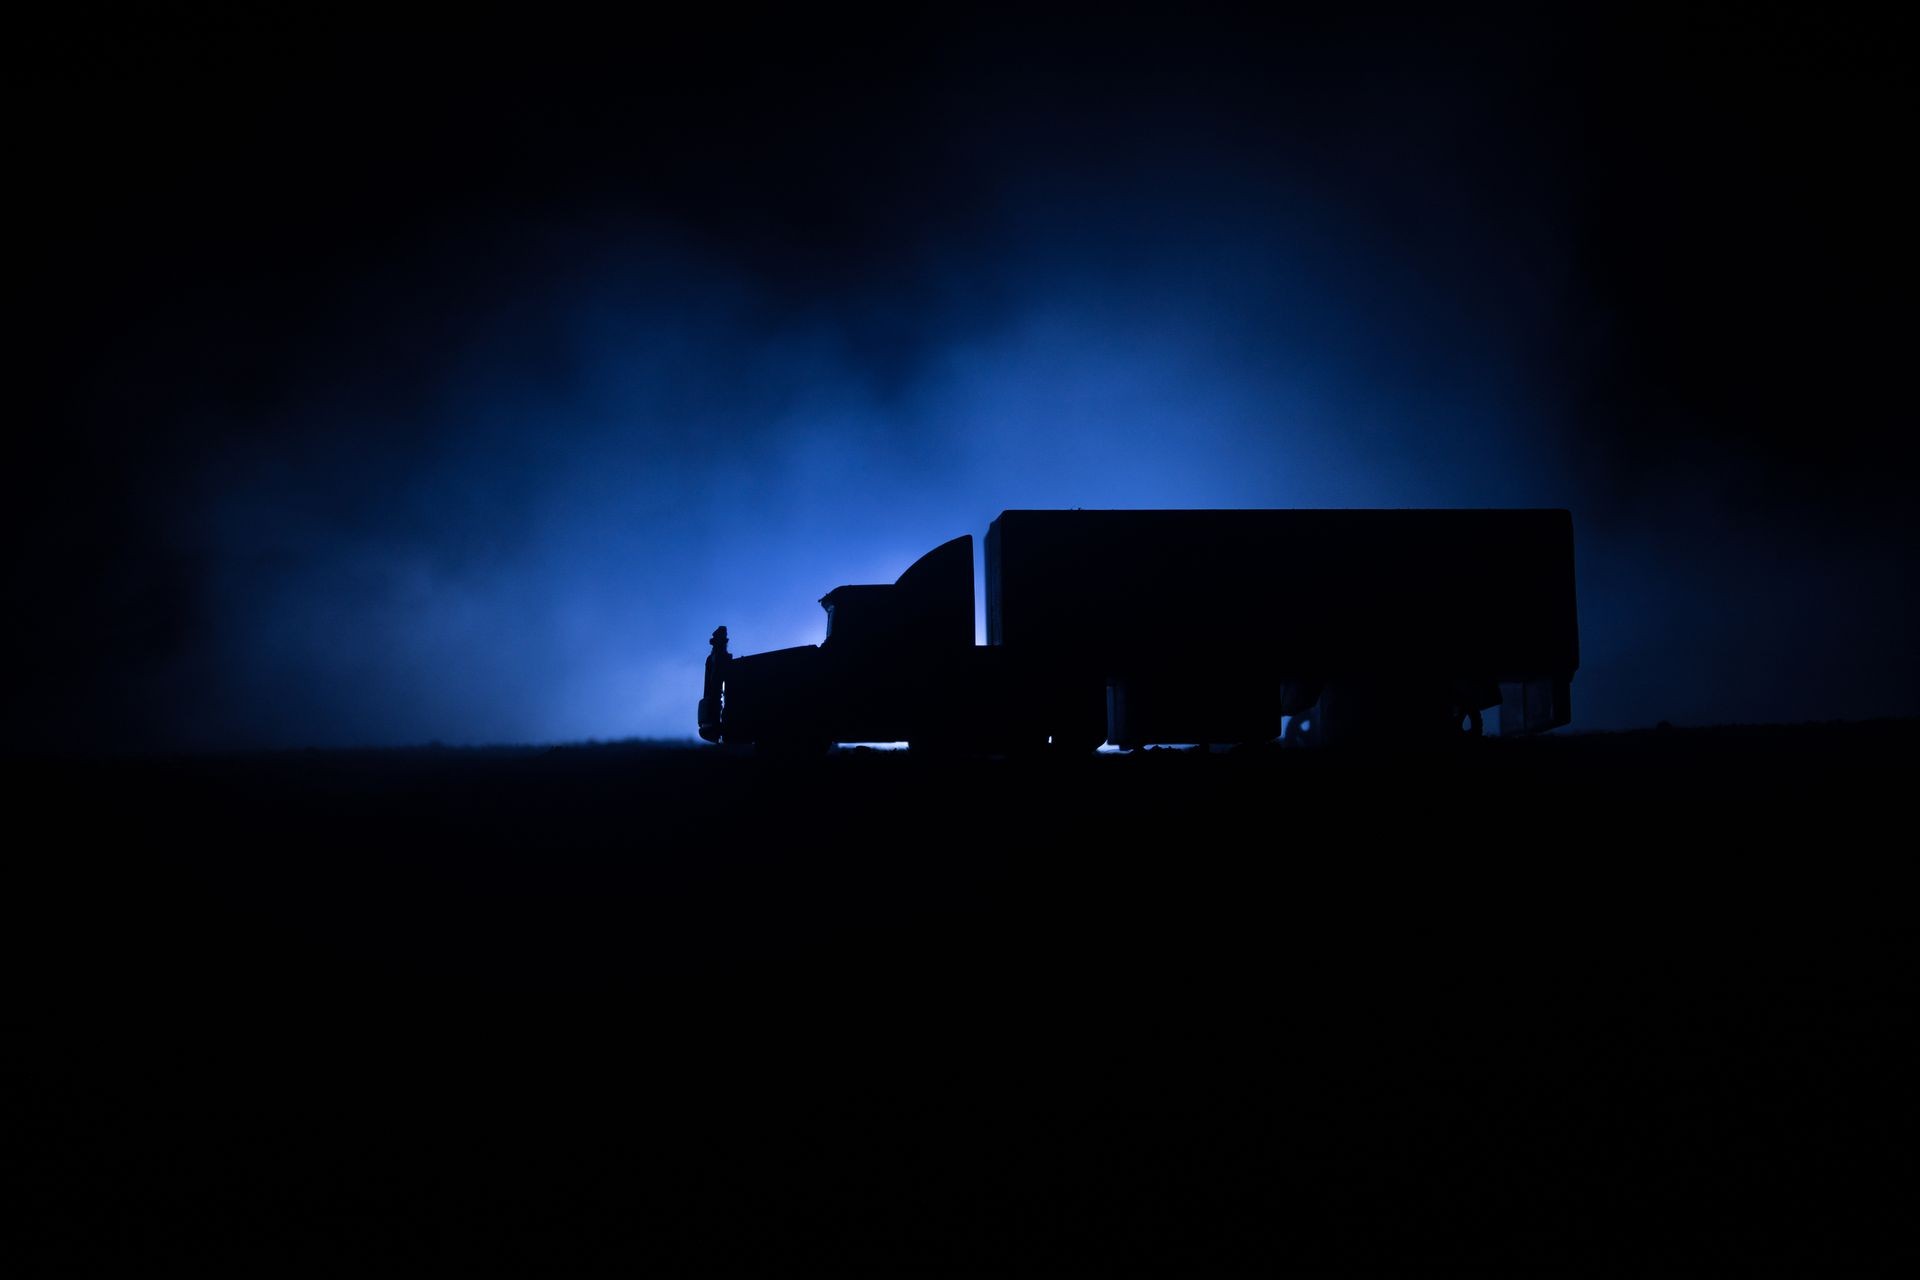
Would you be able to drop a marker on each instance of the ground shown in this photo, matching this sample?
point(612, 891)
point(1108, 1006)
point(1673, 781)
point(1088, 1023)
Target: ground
point(1595, 1002)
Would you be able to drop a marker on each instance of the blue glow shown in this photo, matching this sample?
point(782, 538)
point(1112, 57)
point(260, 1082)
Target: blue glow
point(633, 439)
point(462, 405)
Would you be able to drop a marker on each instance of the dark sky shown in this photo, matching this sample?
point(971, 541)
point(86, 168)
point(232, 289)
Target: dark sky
point(453, 384)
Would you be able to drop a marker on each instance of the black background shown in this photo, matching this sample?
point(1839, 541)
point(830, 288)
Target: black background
point(1637, 1000)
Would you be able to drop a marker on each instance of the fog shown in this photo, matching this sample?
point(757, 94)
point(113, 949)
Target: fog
point(490, 467)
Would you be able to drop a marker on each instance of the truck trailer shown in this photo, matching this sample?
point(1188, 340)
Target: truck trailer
point(1164, 627)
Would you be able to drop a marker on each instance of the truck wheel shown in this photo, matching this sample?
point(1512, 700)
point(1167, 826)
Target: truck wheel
point(791, 748)
point(1086, 742)
point(1079, 723)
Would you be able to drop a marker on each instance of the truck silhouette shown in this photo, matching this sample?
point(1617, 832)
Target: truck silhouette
point(1138, 627)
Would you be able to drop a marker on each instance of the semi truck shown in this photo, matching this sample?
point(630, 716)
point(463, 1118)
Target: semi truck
point(1182, 627)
